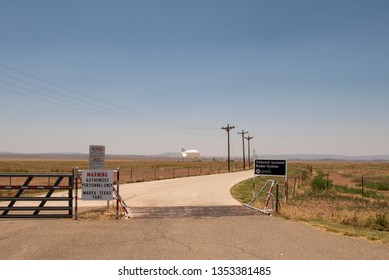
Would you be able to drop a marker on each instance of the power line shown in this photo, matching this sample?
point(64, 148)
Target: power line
point(62, 104)
point(64, 88)
point(98, 113)
point(102, 109)
point(60, 94)
point(124, 113)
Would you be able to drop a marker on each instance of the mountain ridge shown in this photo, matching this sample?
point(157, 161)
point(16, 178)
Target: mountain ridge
point(178, 155)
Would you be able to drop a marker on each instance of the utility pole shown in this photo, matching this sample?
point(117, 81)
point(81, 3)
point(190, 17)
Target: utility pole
point(244, 160)
point(228, 128)
point(248, 141)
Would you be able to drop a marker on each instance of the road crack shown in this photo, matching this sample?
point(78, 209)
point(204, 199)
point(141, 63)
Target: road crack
point(164, 235)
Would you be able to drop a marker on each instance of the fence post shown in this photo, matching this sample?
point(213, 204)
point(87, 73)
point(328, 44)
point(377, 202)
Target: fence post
point(75, 177)
point(328, 174)
point(117, 196)
point(294, 185)
point(362, 185)
point(253, 186)
point(70, 193)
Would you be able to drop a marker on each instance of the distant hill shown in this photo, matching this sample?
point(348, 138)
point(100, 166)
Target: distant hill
point(42, 155)
point(170, 155)
point(328, 157)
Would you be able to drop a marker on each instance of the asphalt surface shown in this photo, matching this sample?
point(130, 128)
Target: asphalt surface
point(233, 236)
point(207, 190)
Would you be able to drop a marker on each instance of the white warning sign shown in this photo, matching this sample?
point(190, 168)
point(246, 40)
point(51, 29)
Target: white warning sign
point(97, 184)
point(96, 157)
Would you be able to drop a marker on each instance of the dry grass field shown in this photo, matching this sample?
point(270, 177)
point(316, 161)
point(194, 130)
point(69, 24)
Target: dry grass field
point(130, 170)
point(339, 203)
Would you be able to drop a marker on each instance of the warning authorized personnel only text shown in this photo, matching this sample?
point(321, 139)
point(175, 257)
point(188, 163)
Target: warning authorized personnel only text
point(97, 184)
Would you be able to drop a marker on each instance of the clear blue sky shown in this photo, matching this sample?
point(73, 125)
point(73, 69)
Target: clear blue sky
point(146, 77)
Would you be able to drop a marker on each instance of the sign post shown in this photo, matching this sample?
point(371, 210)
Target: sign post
point(268, 167)
point(97, 183)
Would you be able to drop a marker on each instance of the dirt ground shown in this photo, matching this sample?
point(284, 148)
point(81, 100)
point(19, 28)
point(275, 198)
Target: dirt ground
point(338, 179)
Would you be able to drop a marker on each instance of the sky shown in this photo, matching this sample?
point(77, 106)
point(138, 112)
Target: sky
point(148, 77)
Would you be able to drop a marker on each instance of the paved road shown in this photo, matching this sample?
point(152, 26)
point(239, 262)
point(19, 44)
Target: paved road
point(227, 237)
point(208, 190)
point(240, 237)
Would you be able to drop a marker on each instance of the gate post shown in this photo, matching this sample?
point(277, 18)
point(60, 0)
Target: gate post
point(117, 196)
point(277, 199)
point(75, 177)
